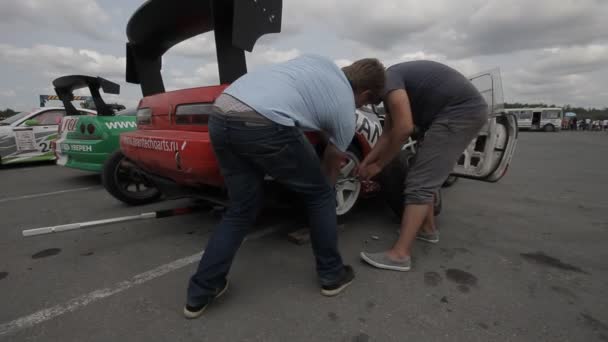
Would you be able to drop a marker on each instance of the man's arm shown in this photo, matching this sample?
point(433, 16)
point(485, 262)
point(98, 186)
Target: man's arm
point(332, 161)
point(399, 127)
point(372, 156)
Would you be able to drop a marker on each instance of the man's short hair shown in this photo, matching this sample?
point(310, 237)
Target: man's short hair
point(367, 73)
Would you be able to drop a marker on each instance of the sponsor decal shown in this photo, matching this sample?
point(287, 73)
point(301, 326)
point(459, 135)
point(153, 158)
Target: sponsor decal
point(121, 124)
point(369, 129)
point(25, 139)
point(68, 124)
point(151, 144)
point(76, 148)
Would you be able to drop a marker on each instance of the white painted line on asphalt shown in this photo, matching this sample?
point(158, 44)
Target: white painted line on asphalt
point(94, 296)
point(2, 200)
point(91, 297)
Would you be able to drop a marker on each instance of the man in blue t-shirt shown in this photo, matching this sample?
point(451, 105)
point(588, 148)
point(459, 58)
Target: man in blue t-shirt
point(257, 130)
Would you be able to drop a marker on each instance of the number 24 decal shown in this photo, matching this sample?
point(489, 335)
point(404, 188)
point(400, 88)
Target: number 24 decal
point(45, 147)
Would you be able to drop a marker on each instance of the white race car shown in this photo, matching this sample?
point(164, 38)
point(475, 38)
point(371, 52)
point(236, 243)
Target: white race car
point(27, 137)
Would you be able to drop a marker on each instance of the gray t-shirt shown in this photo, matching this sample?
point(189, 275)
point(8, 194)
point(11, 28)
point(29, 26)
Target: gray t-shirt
point(431, 87)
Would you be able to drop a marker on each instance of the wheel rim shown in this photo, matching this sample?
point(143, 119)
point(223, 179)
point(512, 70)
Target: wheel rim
point(347, 186)
point(131, 182)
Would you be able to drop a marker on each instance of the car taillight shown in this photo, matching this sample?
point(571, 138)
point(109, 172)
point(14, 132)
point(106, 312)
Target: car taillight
point(144, 116)
point(196, 113)
point(91, 128)
point(82, 128)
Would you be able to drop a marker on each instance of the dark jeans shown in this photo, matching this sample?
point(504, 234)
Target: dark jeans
point(246, 152)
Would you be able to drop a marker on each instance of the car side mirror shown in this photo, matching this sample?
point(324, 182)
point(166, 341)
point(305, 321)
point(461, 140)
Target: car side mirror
point(31, 122)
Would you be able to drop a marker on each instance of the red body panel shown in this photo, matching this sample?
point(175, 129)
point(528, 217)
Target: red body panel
point(184, 157)
point(179, 152)
point(182, 152)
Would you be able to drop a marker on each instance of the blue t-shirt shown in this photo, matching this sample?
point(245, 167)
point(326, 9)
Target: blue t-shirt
point(310, 92)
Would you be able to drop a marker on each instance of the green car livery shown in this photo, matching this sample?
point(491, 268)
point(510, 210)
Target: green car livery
point(85, 142)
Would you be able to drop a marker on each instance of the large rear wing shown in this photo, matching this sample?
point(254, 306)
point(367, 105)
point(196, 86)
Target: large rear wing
point(158, 25)
point(65, 86)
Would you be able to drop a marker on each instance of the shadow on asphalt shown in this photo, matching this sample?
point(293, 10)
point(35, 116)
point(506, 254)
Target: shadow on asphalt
point(89, 179)
point(26, 165)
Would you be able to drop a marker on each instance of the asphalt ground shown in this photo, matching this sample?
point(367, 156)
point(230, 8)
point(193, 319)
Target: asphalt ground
point(524, 259)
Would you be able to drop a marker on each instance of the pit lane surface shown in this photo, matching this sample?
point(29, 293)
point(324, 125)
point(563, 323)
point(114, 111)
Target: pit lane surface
point(523, 259)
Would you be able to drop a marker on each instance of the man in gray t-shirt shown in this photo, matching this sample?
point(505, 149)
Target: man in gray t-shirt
point(447, 107)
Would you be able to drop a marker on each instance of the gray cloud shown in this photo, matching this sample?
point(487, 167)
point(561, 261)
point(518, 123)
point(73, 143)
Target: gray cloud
point(84, 17)
point(457, 29)
point(548, 50)
point(201, 46)
point(55, 60)
point(508, 26)
point(576, 75)
point(207, 72)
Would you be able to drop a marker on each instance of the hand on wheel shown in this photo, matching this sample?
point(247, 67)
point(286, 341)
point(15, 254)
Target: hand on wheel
point(368, 171)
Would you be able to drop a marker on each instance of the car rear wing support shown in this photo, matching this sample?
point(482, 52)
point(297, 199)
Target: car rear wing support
point(65, 86)
point(158, 25)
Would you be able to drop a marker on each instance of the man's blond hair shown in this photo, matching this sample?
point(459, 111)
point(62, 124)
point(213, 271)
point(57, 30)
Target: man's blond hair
point(367, 74)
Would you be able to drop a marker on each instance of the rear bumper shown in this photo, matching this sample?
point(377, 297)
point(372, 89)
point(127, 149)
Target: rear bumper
point(184, 157)
point(85, 155)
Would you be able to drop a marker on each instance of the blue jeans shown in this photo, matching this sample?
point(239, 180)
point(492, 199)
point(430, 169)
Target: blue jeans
point(246, 152)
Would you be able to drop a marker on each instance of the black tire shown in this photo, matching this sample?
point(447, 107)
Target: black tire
point(114, 176)
point(449, 181)
point(392, 184)
point(549, 128)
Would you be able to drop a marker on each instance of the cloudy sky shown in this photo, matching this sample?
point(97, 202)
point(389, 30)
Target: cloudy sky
point(555, 51)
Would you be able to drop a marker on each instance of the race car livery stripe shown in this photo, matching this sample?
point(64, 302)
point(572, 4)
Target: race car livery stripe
point(121, 124)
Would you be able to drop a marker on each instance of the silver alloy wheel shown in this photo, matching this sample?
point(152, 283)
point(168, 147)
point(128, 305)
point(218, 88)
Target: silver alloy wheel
point(347, 186)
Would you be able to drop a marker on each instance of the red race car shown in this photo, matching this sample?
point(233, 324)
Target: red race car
point(170, 153)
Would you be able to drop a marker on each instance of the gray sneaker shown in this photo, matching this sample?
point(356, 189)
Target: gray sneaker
point(428, 237)
point(381, 260)
point(191, 312)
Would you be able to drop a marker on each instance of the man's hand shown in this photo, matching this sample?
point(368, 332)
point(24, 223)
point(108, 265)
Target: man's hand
point(368, 171)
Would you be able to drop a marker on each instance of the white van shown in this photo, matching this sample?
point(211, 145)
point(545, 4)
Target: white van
point(546, 119)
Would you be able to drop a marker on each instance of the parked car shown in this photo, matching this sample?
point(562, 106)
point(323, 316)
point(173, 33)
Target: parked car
point(85, 142)
point(27, 137)
point(170, 152)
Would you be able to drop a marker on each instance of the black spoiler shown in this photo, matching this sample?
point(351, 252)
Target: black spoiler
point(65, 86)
point(158, 25)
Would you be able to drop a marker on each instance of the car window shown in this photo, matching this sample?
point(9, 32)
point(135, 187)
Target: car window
point(525, 114)
point(49, 117)
point(552, 114)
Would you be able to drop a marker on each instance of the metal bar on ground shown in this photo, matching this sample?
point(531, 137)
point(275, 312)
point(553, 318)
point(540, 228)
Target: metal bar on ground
point(96, 223)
